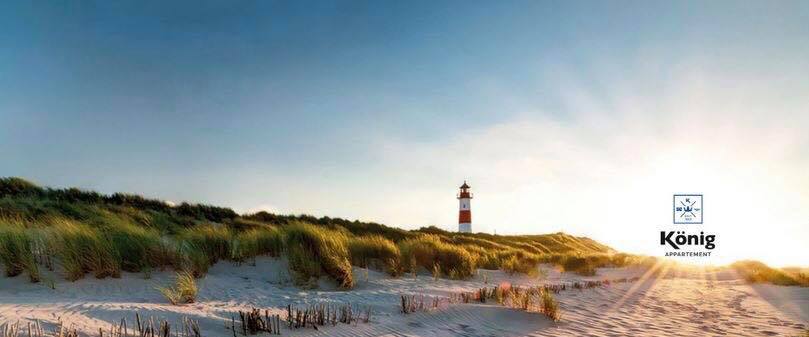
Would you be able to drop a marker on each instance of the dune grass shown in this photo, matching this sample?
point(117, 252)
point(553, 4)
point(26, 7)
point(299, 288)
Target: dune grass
point(375, 250)
point(82, 249)
point(513, 262)
point(758, 272)
point(184, 289)
point(428, 251)
point(112, 245)
point(257, 241)
point(17, 252)
point(213, 240)
point(487, 260)
point(139, 248)
point(478, 242)
point(549, 306)
point(579, 265)
point(312, 250)
point(192, 259)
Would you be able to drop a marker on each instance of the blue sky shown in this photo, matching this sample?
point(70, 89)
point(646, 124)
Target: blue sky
point(555, 111)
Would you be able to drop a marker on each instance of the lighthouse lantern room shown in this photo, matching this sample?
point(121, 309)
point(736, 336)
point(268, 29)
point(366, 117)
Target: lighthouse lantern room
point(465, 209)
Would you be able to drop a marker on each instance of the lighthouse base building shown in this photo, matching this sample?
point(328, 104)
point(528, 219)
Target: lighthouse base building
point(464, 209)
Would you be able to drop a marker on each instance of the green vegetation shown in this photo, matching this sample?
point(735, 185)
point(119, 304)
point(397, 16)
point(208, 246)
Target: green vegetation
point(375, 250)
point(16, 252)
point(429, 252)
point(192, 259)
point(139, 247)
point(549, 306)
point(213, 241)
point(578, 265)
point(257, 241)
point(184, 289)
point(353, 227)
point(307, 243)
point(83, 249)
point(515, 261)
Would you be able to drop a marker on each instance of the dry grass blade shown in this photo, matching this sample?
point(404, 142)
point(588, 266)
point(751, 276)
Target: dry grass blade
point(184, 289)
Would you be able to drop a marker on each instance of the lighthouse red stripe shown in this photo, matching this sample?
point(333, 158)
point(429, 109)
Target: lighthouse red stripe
point(465, 216)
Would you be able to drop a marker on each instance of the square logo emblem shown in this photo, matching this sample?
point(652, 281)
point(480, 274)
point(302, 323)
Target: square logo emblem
point(688, 208)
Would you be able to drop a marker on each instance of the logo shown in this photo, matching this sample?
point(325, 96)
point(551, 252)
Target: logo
point(688, 208)
point(686, 241)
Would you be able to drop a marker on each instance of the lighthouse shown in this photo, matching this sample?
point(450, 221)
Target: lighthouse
point(464, 209)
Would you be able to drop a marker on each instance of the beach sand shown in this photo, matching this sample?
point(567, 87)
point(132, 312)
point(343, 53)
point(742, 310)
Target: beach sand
point(686, 304)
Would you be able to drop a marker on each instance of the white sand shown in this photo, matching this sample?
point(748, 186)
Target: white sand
point(685, 305)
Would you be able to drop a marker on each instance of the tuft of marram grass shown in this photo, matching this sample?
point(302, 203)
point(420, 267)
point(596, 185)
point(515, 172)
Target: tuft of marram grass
point(308, 245)
point(375, 250)
point(578, 264)
point(184, 289)
point(255, 242)
point(427, 251)
point(82, 249)
point(213, 240)
point(138, 247)
point(193, 259)
point(549, 305)
point(304, 265)
point(518, 261)
point(17, 251)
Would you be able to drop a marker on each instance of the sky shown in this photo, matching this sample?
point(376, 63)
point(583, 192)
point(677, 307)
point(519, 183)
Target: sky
point(575, 116)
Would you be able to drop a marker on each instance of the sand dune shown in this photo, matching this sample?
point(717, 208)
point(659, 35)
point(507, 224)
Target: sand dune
point(683, 305)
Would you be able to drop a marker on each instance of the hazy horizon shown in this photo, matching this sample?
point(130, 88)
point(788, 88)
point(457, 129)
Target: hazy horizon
point(578, 117)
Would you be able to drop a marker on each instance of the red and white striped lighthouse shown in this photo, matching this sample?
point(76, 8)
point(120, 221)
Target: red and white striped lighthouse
point(465, 209)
